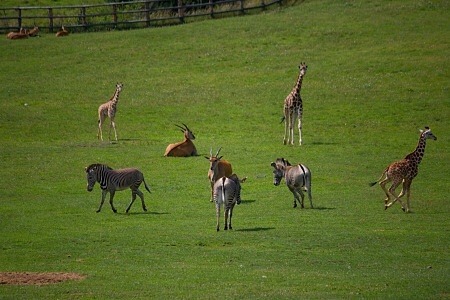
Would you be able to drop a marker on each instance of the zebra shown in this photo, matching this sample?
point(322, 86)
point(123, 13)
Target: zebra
point(115, 180)
point(227, 191)
point(297, 178)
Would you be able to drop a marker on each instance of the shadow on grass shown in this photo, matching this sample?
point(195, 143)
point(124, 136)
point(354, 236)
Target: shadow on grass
point(247, 201)
point(142, 213)
point(255, 229)
point(323, 208)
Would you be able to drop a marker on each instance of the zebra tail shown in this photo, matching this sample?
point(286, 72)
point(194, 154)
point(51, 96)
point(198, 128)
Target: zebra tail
point(146, 186)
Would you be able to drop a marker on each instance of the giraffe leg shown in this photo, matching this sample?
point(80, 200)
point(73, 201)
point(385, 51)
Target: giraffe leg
point(407, 187)
point(383, 186)
point(286, 129)
point(300, 130)
point(115, 131)
point(291, 129)
point(100, 123)
point(396, 198)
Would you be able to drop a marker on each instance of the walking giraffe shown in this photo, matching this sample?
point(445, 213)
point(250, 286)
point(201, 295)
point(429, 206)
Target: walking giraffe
point(109, 109)
point(293, 109)
point(404, 171)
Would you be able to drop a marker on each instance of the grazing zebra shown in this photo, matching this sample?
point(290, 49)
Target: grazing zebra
point(115, 180)
point(227, 191)
point(296, 177)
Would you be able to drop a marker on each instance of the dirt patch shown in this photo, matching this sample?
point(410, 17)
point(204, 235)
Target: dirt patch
point(37, 278)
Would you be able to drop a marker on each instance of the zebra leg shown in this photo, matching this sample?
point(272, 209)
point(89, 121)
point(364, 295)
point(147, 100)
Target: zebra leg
point(226, 211)
point(104, 192)
point(111, 197)
point(217, 215)
point(309, 196)
point(133, 197)
point(231, 215)
point(295, 196)
point(141, 195)
point(302, 196)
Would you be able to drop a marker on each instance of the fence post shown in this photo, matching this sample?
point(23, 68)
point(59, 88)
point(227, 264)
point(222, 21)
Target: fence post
point(83, 18)
point(115, 15)
point(147, 13)
point(19, 18)
point(211, 8)
point(180, 11)
point(50, 19)
point(242, 7)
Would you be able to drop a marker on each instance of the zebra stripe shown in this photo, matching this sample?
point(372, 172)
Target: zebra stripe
point(111, 180)
point(227, 191)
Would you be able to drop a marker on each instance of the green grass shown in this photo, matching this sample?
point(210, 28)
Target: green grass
point(378, 72)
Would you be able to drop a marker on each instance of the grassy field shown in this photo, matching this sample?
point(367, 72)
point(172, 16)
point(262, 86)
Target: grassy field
point(378, 72)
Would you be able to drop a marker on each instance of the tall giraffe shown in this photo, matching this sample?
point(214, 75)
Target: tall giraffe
point(293, 109)
point(404, 171)
point(109, 109)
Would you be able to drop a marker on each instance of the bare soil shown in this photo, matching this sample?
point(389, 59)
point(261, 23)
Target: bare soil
point(37, 278)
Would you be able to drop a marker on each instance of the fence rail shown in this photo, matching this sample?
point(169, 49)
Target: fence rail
point(123, 15)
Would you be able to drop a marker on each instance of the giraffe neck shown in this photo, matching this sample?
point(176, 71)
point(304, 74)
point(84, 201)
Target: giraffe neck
point(417, 155)
point(115, 98)
point(298, 85)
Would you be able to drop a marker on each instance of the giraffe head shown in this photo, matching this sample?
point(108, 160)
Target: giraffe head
point(427, 134)
point(302, 67)
point(119, 87)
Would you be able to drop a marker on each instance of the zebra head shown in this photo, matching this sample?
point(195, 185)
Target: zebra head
point(91, 176)
point(279, 169)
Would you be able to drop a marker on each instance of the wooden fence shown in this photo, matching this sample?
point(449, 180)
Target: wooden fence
point(123, 15)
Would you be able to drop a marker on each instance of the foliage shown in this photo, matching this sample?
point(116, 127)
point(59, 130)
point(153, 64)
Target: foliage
point(374, 78)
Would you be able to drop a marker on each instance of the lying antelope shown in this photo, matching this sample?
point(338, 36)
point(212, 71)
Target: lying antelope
point(62, 32)
point(217, 169)
point(297, 178)
point(23, 33)
point(227, 191)
point(184, 148)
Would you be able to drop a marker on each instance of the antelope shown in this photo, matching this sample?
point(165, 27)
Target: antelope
point(217, 169)
point(62, 32)
point(23, 33)
point(184, 148)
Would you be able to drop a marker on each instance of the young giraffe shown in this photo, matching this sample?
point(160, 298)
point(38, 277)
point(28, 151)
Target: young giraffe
point(404, 171)
point(109, 109)
point(293, 109)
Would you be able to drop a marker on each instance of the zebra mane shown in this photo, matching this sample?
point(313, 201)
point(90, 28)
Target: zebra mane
point(97, 166)
point(283, 162)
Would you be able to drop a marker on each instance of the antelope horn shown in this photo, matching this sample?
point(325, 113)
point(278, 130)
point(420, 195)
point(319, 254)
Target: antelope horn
point(210, 152)
point(182, 129)
point(217, 154)
point(185, 126)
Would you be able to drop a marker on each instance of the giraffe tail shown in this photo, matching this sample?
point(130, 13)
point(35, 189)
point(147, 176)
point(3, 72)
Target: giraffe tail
point(282, 119)
point(378, 180)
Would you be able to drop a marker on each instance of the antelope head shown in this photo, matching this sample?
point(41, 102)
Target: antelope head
point(213, 160)
point(188, 134)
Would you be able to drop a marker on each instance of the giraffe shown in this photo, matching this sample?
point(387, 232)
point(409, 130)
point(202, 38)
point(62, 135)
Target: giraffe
point(293, 108)
point(109, 109)
point(404, 171)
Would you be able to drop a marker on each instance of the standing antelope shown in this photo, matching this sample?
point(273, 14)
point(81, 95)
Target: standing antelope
point(217, 169)
point(115, 180)
point(227, 191)
point(184, 148)
point(62, 32)
point(297, 178)
point(109, 109)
